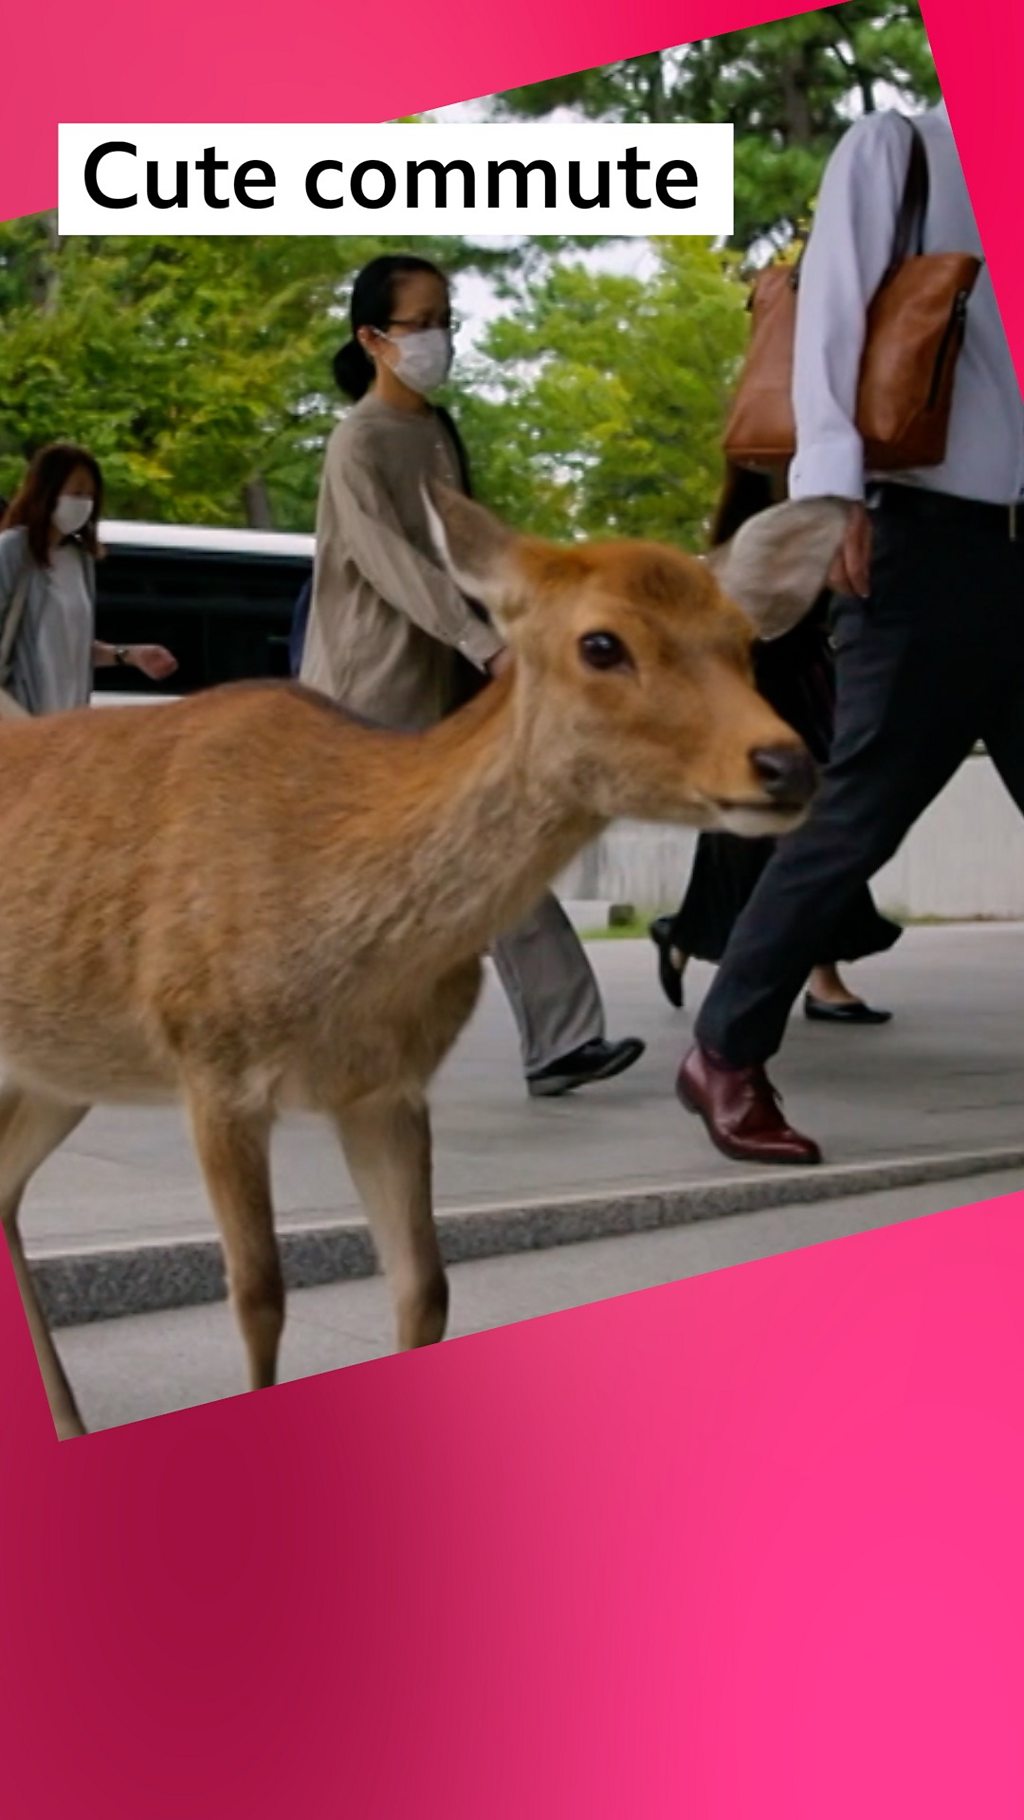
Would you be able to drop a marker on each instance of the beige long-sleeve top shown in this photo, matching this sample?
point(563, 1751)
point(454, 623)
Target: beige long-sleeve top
point(386, 622)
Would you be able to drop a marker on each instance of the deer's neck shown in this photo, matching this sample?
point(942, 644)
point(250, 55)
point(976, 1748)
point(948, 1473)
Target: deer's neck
point(483, 824)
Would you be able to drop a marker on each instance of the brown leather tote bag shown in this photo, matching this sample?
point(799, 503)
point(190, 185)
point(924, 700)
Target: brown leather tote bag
point(915, 331)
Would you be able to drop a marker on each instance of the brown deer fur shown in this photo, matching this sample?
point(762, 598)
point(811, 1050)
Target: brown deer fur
point(248, 902)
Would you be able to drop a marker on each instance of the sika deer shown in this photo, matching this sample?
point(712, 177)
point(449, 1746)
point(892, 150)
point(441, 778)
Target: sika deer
point(248, 902)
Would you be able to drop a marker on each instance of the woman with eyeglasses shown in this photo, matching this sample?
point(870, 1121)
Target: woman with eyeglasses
point(391, 638)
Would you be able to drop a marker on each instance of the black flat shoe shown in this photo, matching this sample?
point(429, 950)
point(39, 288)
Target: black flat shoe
point(820, 1011)
point(669, 976)
point(596, 1061)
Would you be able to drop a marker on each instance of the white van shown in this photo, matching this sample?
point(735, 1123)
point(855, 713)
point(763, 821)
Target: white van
point(221, 600)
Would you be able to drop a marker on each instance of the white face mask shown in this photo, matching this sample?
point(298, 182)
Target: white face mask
point(424, 359)
point(71, 513)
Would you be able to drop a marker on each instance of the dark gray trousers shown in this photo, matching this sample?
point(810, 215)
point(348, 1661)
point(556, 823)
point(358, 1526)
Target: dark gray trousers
point(932, 662)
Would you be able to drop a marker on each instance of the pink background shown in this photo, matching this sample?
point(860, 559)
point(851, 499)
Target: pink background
point(743, 1547)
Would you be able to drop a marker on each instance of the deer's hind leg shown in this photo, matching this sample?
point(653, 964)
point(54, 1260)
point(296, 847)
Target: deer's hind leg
point(387, 1147)
point(31, 1128)
point(233, 1147)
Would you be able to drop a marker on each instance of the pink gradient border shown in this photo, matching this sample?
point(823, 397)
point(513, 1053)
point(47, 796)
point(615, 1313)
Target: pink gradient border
point(317, 62)
point(741, 1548)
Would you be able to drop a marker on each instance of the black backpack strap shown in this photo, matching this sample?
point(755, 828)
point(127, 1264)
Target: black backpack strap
point(469, 680)
point(459, 446)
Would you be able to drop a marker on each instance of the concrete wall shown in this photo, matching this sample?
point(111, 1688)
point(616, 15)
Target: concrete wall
point(964, 859)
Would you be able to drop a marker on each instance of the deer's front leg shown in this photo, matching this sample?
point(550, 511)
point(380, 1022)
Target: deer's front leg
point(387, 1148)
point(30, 1130)
point(233, 1148)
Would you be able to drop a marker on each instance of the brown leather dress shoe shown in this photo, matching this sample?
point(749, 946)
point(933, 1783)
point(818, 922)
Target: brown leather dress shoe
point(741, 1110)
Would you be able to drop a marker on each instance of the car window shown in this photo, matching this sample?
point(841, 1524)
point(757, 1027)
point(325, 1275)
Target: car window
point(226, 618)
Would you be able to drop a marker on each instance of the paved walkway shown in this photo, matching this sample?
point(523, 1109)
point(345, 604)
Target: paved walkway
point(947, 1075)
point(147, 1365)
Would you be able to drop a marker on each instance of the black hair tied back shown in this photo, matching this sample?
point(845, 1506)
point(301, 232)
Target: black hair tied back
point(353, 370)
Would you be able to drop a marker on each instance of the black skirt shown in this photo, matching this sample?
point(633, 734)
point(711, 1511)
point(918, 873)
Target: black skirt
point(795, 674)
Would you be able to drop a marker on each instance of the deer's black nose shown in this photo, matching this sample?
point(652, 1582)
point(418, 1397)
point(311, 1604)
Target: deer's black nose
point(786, 773)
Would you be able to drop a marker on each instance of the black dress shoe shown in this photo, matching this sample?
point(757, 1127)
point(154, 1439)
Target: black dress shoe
point(596, 1061)
point(821, 1011)
point(669, 976)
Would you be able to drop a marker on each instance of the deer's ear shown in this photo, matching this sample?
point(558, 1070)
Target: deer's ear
point(775, 566)
point(478, 551)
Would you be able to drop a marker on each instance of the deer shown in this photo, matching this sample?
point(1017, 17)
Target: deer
point(247, 902)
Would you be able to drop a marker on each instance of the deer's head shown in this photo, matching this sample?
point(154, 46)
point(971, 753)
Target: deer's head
point(634, 682)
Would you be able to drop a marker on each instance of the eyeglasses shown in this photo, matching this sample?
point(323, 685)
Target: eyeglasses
point(419, 324)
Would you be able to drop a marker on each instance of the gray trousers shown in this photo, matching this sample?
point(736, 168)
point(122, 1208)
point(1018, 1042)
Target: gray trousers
point(549, 984)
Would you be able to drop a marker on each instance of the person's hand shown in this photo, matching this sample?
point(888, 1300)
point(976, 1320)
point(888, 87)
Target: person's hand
point(500, 663)
point(851, 566)
point(153, 660)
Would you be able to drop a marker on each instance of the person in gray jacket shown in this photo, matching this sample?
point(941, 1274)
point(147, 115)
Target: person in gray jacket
point(48, 555)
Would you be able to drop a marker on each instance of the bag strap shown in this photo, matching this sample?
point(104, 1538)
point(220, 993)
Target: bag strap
point(12, 624)
point(462, 457)
point(445, 417)
point(908, 234)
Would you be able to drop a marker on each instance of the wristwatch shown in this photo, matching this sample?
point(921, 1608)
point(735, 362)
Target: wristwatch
point(121, 654)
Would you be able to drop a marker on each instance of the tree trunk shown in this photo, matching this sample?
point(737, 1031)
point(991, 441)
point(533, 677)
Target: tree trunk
point(258, 513)
point(799, 124)
point(46, 281)
point(657, 109)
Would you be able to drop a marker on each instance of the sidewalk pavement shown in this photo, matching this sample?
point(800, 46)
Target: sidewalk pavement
point(147, 1365)
point(939, 1092)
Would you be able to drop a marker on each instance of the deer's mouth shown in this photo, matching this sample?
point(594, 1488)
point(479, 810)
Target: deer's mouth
point(757, 817)
point(760, 805)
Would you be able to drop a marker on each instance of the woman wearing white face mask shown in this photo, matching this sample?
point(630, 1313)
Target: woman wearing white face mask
point(48, 553)
point(392, 639)
point(388, 633)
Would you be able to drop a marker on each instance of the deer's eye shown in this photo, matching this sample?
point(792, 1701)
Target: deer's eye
point(604, 651)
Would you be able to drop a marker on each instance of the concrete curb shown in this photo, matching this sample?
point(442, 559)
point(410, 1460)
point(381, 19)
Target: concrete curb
point(100, 1283)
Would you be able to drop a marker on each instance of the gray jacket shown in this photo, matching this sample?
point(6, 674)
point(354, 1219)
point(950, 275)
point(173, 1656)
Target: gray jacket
point(52, 659)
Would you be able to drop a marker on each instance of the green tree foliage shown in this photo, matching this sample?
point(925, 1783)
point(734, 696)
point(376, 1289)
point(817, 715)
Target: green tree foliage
point(198, 370)
point(596, 406)
point(789, 88)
